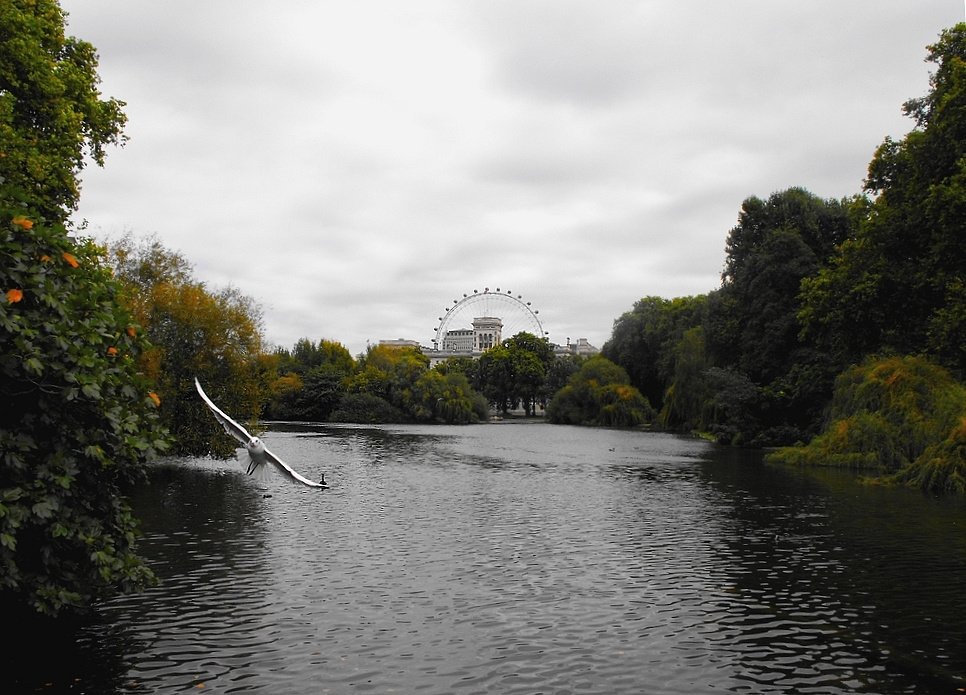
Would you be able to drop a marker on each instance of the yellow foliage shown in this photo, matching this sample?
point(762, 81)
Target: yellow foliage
point(901, 416)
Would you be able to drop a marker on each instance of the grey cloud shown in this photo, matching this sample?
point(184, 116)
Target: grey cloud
point(379, 157)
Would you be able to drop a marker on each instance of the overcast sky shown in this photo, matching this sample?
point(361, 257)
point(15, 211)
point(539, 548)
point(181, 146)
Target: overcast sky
point(356, 166)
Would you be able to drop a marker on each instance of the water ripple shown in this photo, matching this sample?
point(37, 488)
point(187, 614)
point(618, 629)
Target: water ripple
point(535, 559)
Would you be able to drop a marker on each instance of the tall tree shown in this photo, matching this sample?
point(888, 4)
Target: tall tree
point(77, 422)
point(898, 285)
point(52, 117)
point(214, 335)
point(775, 245)
point(532, 358)
point(643, 340)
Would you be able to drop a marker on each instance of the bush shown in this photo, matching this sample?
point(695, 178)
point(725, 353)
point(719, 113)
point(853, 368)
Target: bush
point(366, 408)
point(900, 418)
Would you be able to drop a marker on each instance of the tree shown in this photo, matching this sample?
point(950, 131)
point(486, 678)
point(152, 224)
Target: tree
point(599, 393)
point(559, 373)
point(466, 366)
point(498, 376)
point(311, 382)
point(306, 356)
point(195, 332)
point(311, 399)
point(898, 284)
point(776, 244)
point(688, 397)
point(388, 373)
point(644, 339)
point(897, 418)
point(78, 421)
point(52, 117)
point(820, 224)
point(533, 357)
point(446, 396)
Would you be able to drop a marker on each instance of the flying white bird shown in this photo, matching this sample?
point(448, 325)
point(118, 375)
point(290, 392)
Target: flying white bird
point(258, 456)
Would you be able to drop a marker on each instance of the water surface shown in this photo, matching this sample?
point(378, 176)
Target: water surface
point(529, 558)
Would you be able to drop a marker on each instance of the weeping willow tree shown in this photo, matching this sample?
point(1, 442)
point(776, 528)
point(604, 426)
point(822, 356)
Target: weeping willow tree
point(898, 420)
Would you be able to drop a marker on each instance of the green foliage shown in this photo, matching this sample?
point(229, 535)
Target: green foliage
point(898, 285)
point(51, 113)
point(496, 373)
point(312, 398)
point(389, 372)
point(687, 399)
point(466, 366)
point(734, 404)
point(306, 356)
point(753, 326)
point(514, 372)
point(599, 394)
point(366, 408)
point(216, 336)
point(78, 420)
point(559, 372)
point(312, 381)
point(643, 340)
point(902, 418)
point(446, 396)
point(820, 225)
point(532, 357)
point(732, 362)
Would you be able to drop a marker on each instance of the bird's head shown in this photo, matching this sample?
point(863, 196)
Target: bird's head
point(255, 443)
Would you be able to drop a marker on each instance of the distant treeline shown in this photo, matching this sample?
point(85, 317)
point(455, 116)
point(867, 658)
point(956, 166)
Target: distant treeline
point(217, 336)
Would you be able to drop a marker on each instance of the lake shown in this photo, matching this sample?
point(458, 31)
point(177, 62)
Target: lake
point(521, 557)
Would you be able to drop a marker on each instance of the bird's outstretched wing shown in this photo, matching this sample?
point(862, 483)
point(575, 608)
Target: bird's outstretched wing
point(241, 434)
point(284, 467)
point(231, 427)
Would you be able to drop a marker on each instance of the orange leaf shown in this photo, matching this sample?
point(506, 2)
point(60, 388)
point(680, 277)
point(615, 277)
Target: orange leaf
point(131, 332)
point(154, 397)
point(14, 296)
point(112, 351)
point(22, 221)
point(45, 258)
point(70, 259)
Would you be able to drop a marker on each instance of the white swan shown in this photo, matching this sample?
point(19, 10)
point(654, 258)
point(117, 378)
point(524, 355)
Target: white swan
point(258, 456)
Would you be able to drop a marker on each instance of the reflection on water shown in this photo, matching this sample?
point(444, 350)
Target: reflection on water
point(526, 558)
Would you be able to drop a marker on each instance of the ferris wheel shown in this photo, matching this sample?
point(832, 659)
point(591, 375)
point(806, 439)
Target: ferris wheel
point(515, 314)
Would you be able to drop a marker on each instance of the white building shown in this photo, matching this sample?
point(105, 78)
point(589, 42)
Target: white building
point(400, 342)
point(582, 347)
point(462, 340)
point(487, 332)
